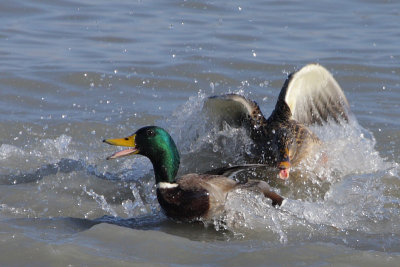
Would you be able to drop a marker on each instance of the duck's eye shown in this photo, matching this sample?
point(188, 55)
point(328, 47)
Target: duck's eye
point(150, 133)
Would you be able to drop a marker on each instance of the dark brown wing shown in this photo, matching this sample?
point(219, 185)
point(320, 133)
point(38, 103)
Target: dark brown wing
point(313, 96)
point(233, 170)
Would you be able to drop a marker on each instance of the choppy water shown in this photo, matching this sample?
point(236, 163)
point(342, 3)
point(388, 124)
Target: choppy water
point(75, 72)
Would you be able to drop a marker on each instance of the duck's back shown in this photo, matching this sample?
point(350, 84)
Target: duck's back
point(196, 196)
point(217, 187)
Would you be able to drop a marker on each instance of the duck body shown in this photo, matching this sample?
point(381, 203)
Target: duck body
point(308, 96)
point(192, 196)
point(279, 139)
point(195, 196)
point(186, 204)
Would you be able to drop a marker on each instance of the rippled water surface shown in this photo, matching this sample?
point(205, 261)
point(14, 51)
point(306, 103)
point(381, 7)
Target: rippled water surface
point(75, 72)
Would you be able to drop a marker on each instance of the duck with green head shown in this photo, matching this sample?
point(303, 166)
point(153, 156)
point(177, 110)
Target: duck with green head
point(192, 196)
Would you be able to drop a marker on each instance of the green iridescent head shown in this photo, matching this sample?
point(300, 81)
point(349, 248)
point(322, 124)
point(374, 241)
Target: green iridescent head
point(156, 144)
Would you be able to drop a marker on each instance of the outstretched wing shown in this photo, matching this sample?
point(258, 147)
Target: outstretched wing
point(234, 109)
point(313, 96)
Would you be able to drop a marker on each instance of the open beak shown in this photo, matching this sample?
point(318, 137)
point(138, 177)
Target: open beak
point(127, 141)
point(284, 165)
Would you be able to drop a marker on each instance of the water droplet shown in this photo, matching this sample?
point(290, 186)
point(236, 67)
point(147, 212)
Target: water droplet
point(212, 86)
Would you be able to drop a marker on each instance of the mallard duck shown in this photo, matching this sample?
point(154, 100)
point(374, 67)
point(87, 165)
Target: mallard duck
point(192, 196)
point(308, 96)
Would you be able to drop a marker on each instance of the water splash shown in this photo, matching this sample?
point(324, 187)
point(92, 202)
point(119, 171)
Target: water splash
point(10, 151)
point(245, 209)
point(138, 204)
point(350, 148)
point(359, 193)
point(354, 181)
point(15, 159)
point(17, 211)
point(101, 200)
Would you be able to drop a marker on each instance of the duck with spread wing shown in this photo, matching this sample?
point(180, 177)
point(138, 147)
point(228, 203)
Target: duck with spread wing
point(308, 96)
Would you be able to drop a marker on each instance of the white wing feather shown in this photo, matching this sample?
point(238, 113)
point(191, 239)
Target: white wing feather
point(313, 96)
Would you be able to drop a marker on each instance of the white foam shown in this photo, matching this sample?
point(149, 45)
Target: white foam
point(354, 175)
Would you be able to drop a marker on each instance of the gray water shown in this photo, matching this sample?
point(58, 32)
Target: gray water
point(75, 72)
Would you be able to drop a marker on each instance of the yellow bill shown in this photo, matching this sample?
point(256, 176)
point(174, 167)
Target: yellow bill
point(127, 141)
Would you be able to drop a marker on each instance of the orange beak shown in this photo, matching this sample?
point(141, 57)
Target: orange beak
point(284, 165)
